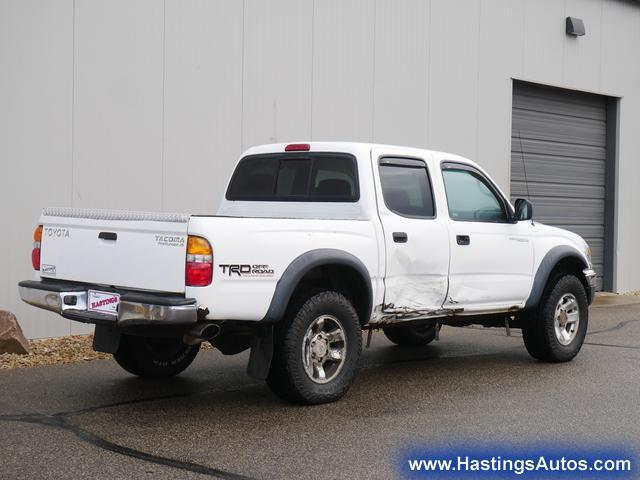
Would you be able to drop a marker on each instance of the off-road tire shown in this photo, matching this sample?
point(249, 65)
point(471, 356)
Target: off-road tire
point(287, 376)
point(538, 329)
point(154, 357)
point(411, 335)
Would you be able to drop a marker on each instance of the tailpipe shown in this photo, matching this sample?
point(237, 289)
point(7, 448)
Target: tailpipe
point(200, 333)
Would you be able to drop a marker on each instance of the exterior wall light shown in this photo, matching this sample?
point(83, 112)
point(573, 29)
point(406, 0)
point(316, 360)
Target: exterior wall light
point(575, 26)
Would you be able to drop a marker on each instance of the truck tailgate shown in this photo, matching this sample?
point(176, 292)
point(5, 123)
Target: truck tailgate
point(117, 248)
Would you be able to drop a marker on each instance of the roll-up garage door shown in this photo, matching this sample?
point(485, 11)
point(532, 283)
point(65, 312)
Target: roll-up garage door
point(558, 139)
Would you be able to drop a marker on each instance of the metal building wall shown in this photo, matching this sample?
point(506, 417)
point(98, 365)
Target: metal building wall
point(146, 104)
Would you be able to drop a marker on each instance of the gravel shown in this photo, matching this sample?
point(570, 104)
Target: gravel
point(50, 351)
point(56, 351)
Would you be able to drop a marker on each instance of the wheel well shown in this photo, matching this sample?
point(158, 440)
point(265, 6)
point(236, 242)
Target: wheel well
point(572, 265)
point(342, 279)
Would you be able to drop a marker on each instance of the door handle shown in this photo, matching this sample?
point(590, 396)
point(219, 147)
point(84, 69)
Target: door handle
point(463, 239)
point(400, 237)
point(108, 236)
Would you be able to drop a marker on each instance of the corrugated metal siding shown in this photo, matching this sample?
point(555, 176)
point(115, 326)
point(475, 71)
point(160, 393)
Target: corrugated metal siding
point(563, 137)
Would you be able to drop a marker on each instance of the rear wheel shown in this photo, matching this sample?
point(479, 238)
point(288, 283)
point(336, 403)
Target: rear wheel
point(317, 349)
point(411, 335)
point(556, 333)
point(154, 357)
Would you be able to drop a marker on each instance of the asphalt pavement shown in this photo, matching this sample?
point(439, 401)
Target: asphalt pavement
point(93, 420)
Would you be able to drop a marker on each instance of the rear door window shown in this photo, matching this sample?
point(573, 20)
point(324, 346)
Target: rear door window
point(308, 177)
point(406, 187)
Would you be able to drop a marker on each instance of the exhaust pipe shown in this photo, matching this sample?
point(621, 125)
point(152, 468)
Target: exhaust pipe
point(200, 332)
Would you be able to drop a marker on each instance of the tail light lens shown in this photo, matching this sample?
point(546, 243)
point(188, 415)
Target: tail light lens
point(35, 253)
point(199, 266)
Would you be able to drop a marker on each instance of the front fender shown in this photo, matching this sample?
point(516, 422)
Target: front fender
point(548, 263)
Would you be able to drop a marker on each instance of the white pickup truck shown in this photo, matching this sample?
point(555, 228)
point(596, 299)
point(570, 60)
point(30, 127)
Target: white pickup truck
point(314, 243)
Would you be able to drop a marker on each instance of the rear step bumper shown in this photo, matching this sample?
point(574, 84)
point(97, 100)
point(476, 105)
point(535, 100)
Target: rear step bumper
point(70, 300)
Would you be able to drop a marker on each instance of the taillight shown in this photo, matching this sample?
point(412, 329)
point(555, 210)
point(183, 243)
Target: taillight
point(35, 253)
point(199, 267)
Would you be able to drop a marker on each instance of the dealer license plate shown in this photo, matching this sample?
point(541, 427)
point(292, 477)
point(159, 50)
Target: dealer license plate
point(103, 302)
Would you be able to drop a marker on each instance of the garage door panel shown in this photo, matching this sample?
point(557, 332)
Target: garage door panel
point(560, 101)
point(557, 128)
point(542, 189)
point(568, 210)
point(559, 149)
point(597, 250)
point(563, 174)
point(576, 110)
point(559, 136)
point(567, 115)
point(544, 168)
point(588, 232)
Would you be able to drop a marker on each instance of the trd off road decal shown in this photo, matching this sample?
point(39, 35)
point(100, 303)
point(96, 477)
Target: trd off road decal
point(170, 240)
point(246, 270)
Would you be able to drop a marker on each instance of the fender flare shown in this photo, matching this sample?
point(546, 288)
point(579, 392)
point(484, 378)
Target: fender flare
point(547, 265)
point(262, 342)
point(303, 264)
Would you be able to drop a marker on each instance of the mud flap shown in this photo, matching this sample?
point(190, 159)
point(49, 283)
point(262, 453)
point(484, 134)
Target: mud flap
point(261, 353)
point(106, 339)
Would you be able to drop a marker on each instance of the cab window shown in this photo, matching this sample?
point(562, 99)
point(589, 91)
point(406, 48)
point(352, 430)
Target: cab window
point(471, 197)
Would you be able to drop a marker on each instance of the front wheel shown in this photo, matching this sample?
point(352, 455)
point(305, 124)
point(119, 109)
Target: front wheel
point(557, 333)
point(154, 357)
point(317, 350)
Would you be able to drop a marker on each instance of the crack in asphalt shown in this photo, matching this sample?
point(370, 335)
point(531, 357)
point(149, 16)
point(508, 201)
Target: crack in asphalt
point(122, 403)
point(59, 421)
point(612, 345)
point(170, 396)
point(619, 326)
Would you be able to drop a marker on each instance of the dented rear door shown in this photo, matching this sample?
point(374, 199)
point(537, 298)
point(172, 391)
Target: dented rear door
point(415, 235)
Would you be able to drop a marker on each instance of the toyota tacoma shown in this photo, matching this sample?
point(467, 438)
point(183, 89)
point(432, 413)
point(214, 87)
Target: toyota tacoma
point(313, 244)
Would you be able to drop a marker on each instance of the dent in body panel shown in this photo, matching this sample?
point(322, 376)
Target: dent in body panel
point(418, 300)
point(410, 291)
point(415, 292)
point(389, 313)
point(467, 294)
point(414, 299)
point(385, 314)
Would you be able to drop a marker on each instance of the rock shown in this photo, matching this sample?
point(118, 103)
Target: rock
point(11, 337)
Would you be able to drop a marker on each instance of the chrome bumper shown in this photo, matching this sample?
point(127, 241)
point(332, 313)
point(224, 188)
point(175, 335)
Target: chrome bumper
point(590, 276)
point(70, 301)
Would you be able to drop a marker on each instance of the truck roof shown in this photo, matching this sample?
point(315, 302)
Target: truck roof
point(355, 147)
point(363, 209)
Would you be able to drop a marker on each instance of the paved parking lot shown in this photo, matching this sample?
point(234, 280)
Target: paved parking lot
point(93, 420)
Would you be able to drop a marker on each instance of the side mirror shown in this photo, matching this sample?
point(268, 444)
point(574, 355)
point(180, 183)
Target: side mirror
point(524, 210)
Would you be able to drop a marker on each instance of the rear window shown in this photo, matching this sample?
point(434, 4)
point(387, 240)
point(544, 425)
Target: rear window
point(296, 177)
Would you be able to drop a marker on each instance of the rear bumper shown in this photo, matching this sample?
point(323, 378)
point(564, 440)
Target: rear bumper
point(590, 276)
point(70, 300)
